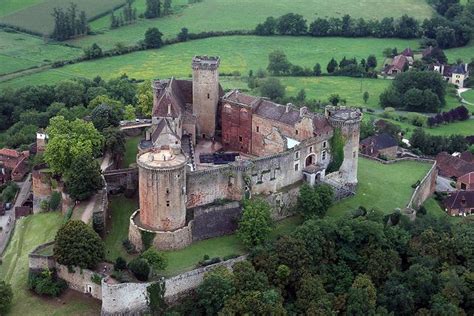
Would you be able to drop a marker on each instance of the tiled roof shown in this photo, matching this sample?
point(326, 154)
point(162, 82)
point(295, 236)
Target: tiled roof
point(450, 166)
point(399, 62)
point(460, 200)
point(9, 152)
point(280, 113)
point(467, 178)
point(407, 52)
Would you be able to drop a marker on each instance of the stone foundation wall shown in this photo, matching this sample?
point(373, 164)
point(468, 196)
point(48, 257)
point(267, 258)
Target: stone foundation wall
point(38, 262)
point(80, 280)
point(215, 220)
point(178, 239)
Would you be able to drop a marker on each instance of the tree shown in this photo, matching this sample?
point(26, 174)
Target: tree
point(69, 92)
point(255, 223)
point(77, 244)
point(372, 62)
point(145, 98)
point(153, 38)
point(120, 264)
point(312, 298)
point(317, 70)
point(314, 201)
point(278, 63)
point(362, 296)
point(216, 288)
point(93, 52)
point(334, 99)
point(6, 296)
point(365, 96)
point(272, 88)
point(332, 66)
point(140, 268)
point(104, 116)
point(84, 178)
point(129, 113)
point(291, 24)
point(114, 141)
point(301, 96)
point(69, 140)
point(267, 28)
point(54, 201)
point(167, 7)
point(153, 9)
point(183, 35)
point(157, 261)
point(445, 37)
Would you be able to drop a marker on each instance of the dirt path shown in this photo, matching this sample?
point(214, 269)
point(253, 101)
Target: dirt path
point(89, 210)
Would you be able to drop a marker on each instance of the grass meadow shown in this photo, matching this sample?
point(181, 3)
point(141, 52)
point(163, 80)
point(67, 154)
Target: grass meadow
point(175, 60)
point(21, 51)
point(9, 6)
point(469, 96)
point(36, 15)
point(131, 150)
point(375, 178)
point(221, 15)
point(30, 232)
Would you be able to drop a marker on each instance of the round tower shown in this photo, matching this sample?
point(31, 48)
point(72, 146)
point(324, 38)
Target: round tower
point(348, 121)
point(162, 184)
point(205, 94)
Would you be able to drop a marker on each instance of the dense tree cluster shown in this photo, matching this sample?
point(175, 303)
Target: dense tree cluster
point(362, 264)
point(25, 110)
point(451, 30)
point(461, 113)
point(432, 145)
point(153, 9)
point(69, 23)
point(46, 282)
point(153, 38)
point(417, 91)
point(77, 244)
point(255, 223)
point(314, 201)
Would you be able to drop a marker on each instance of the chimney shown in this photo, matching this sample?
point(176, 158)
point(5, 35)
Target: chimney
point(287, 108)
point(303, 111)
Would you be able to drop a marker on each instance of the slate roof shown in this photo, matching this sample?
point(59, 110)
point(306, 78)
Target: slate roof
point(460, 200)
point(450, 166)
point(277, 112)
point(380, 141)
point(467, 156)
point(399, 62)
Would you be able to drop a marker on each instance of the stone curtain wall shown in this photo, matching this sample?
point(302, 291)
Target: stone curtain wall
point(120, 180)
point(37, 262)
point(131, 298)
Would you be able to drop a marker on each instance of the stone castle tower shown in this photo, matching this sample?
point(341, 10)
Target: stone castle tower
point(348, 120)
point(162, 182)
point(205, 94)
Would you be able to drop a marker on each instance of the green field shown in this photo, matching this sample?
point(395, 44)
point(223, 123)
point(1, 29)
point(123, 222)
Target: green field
point(29, 233)
point(10, 6)
point(221, 15)
point(384, 187)
point(36, 15)
point(175, 60)
point(20, 51)
point(432, 207)
point(469, 96)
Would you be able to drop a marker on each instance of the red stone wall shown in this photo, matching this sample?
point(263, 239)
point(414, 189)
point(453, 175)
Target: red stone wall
point(236, 128)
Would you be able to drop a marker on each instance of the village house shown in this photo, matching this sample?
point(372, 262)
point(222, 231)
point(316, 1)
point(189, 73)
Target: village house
point(460, 203)
point(382, 145)
point(15, 162)
point(453, 167)
point(454, 74)
point(466, 182)
point(399, 64)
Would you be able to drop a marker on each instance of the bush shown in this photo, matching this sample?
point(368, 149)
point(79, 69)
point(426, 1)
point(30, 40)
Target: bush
point(6, 296)
point(129, 247)
point(208, 262)
point(96, 278)
point(416, 184)
point(156, 260)
point(120, 264)
point(46, 283)
point(54, 201)
point(140, 269)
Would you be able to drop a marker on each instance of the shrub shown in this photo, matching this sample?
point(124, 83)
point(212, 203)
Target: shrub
point(120, 264)
point(118, 275)
point(155, 259)
point(96, 278)
point(129, 247)
point(208, 262)
point(46, 283)
point(140, 269)
point(416, 184)
point(54, 201)
point(6, 296)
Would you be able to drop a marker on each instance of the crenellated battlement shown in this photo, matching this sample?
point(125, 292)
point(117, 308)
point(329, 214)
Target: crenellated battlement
point(205, 62)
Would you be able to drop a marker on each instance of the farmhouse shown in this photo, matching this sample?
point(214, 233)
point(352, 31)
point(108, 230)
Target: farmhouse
point(399, 64)
point(453, 167)
point(466, 182)
point(15, 162)
point(455, 74)
point(460, 203)
point(206, 146)
point(382, 145)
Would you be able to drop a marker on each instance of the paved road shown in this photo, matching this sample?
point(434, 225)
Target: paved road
point(444, 185)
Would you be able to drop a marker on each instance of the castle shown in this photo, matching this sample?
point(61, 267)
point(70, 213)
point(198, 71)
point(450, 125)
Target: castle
point(206, 150)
